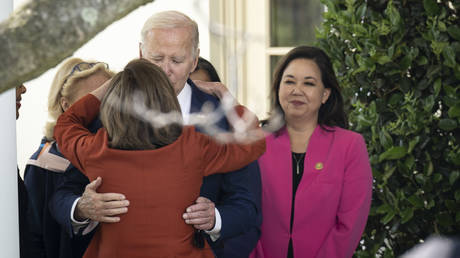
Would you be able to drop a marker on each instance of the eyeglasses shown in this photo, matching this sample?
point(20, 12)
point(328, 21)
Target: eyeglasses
point(82, 67)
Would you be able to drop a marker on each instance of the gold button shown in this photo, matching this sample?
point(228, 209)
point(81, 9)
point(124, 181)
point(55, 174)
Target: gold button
point(319, 166)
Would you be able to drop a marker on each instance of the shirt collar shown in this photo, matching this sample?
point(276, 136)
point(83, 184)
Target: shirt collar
point(185, 101)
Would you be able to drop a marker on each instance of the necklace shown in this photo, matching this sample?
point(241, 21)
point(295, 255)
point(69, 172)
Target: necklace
point(297, 161)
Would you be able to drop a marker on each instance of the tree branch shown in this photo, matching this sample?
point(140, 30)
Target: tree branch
point(44, 32)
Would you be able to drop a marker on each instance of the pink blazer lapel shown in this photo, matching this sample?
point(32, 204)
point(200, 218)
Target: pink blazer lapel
point(316, 157)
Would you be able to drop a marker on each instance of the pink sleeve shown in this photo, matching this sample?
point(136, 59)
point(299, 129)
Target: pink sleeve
point(354, 206)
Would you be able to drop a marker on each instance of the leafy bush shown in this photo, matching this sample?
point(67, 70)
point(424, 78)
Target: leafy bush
point(399, 65)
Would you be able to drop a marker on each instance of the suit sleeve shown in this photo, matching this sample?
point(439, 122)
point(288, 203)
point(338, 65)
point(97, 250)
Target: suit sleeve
point(354, 206)
point(74, 140)
point(70, 188)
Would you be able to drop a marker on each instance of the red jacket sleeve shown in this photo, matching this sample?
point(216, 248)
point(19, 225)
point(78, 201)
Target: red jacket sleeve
point(73, 138)
point(220, 157)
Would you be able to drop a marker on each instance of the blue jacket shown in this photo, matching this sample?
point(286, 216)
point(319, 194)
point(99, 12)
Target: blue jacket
point(236, 195)
point(43, 173)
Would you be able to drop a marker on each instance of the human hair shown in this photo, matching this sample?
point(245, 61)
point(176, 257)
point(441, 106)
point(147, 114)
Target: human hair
point(330, 113)
point(63, 85)
point(205, 65)
point(169, 20)
point(140, 83)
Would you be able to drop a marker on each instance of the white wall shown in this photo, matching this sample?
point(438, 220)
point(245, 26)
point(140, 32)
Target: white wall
point(9, 238)
point(116, 45)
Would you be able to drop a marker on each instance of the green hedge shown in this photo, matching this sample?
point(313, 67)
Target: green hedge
point(399, 65)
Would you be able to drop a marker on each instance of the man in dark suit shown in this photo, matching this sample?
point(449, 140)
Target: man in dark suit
point(228, 210)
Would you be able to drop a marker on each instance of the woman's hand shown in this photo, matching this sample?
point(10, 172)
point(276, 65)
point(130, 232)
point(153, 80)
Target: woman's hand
point(217, 89)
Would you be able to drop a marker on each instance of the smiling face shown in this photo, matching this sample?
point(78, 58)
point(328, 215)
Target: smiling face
point(19, 91)
point(301, 90)
point(172, 50)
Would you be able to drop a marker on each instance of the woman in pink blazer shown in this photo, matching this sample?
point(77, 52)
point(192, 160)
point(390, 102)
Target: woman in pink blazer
point(316, 176)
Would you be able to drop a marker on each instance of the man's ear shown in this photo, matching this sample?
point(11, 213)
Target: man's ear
point(195, 62)
point(140, 49)
point(65, 104)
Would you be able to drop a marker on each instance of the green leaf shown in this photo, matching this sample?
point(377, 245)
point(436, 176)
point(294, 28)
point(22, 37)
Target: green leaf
point(449, 56)
point(390, 215)
point(383, 59)
point(457, 217)
point(395, 152)
point(406, 215)
point(438, 46)
point(385, 208)
point(454, 111)
point(437, 86)
point(385, 139)
point(437, 178)
point(412, 143)
point(420, 178)
point(422, 60)
point(416, 201)
point(454, 32)
point(388, 173)
point(409, 162)
point(453, 177)
point(447, 124)
point(431, 7)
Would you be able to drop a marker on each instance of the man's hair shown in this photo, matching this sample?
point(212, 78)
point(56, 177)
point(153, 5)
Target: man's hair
point(63, 85)
point(169, 20)
point(144, 84)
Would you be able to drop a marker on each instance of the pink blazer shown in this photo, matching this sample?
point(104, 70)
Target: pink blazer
point(332, 200)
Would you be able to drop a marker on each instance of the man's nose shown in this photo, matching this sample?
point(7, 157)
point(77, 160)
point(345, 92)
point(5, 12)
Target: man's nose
point(166, 67)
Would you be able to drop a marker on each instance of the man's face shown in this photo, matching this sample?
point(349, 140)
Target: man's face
point(171, 49)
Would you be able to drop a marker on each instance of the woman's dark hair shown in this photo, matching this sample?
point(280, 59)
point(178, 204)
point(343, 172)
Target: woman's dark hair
point(332, 112)
point(205, 65)
point(145, 84)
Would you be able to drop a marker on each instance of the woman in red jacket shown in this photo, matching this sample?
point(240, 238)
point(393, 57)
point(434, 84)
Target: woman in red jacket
point(158, 164)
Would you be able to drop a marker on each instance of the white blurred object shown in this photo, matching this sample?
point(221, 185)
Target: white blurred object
point(435, 247)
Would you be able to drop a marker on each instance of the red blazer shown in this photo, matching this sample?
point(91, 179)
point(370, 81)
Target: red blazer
point(159, 183)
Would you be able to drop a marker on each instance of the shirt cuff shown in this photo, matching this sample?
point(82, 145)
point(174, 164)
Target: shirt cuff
point(214, 233)
point(77, 225)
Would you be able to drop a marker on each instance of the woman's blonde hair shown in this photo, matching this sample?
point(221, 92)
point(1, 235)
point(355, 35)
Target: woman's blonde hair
point(63, 85)
point(144, 84)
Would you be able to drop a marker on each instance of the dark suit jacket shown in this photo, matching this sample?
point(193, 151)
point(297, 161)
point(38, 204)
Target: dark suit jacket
point(46, 237)
point(236, 195)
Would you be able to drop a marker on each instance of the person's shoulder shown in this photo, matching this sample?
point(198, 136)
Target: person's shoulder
point(346, 132)
point(48, 157)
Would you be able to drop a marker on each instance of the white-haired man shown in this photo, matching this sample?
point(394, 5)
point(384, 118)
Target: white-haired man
point(228, 209)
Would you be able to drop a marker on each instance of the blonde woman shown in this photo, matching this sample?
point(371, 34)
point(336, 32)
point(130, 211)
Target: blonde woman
point(45, 169)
